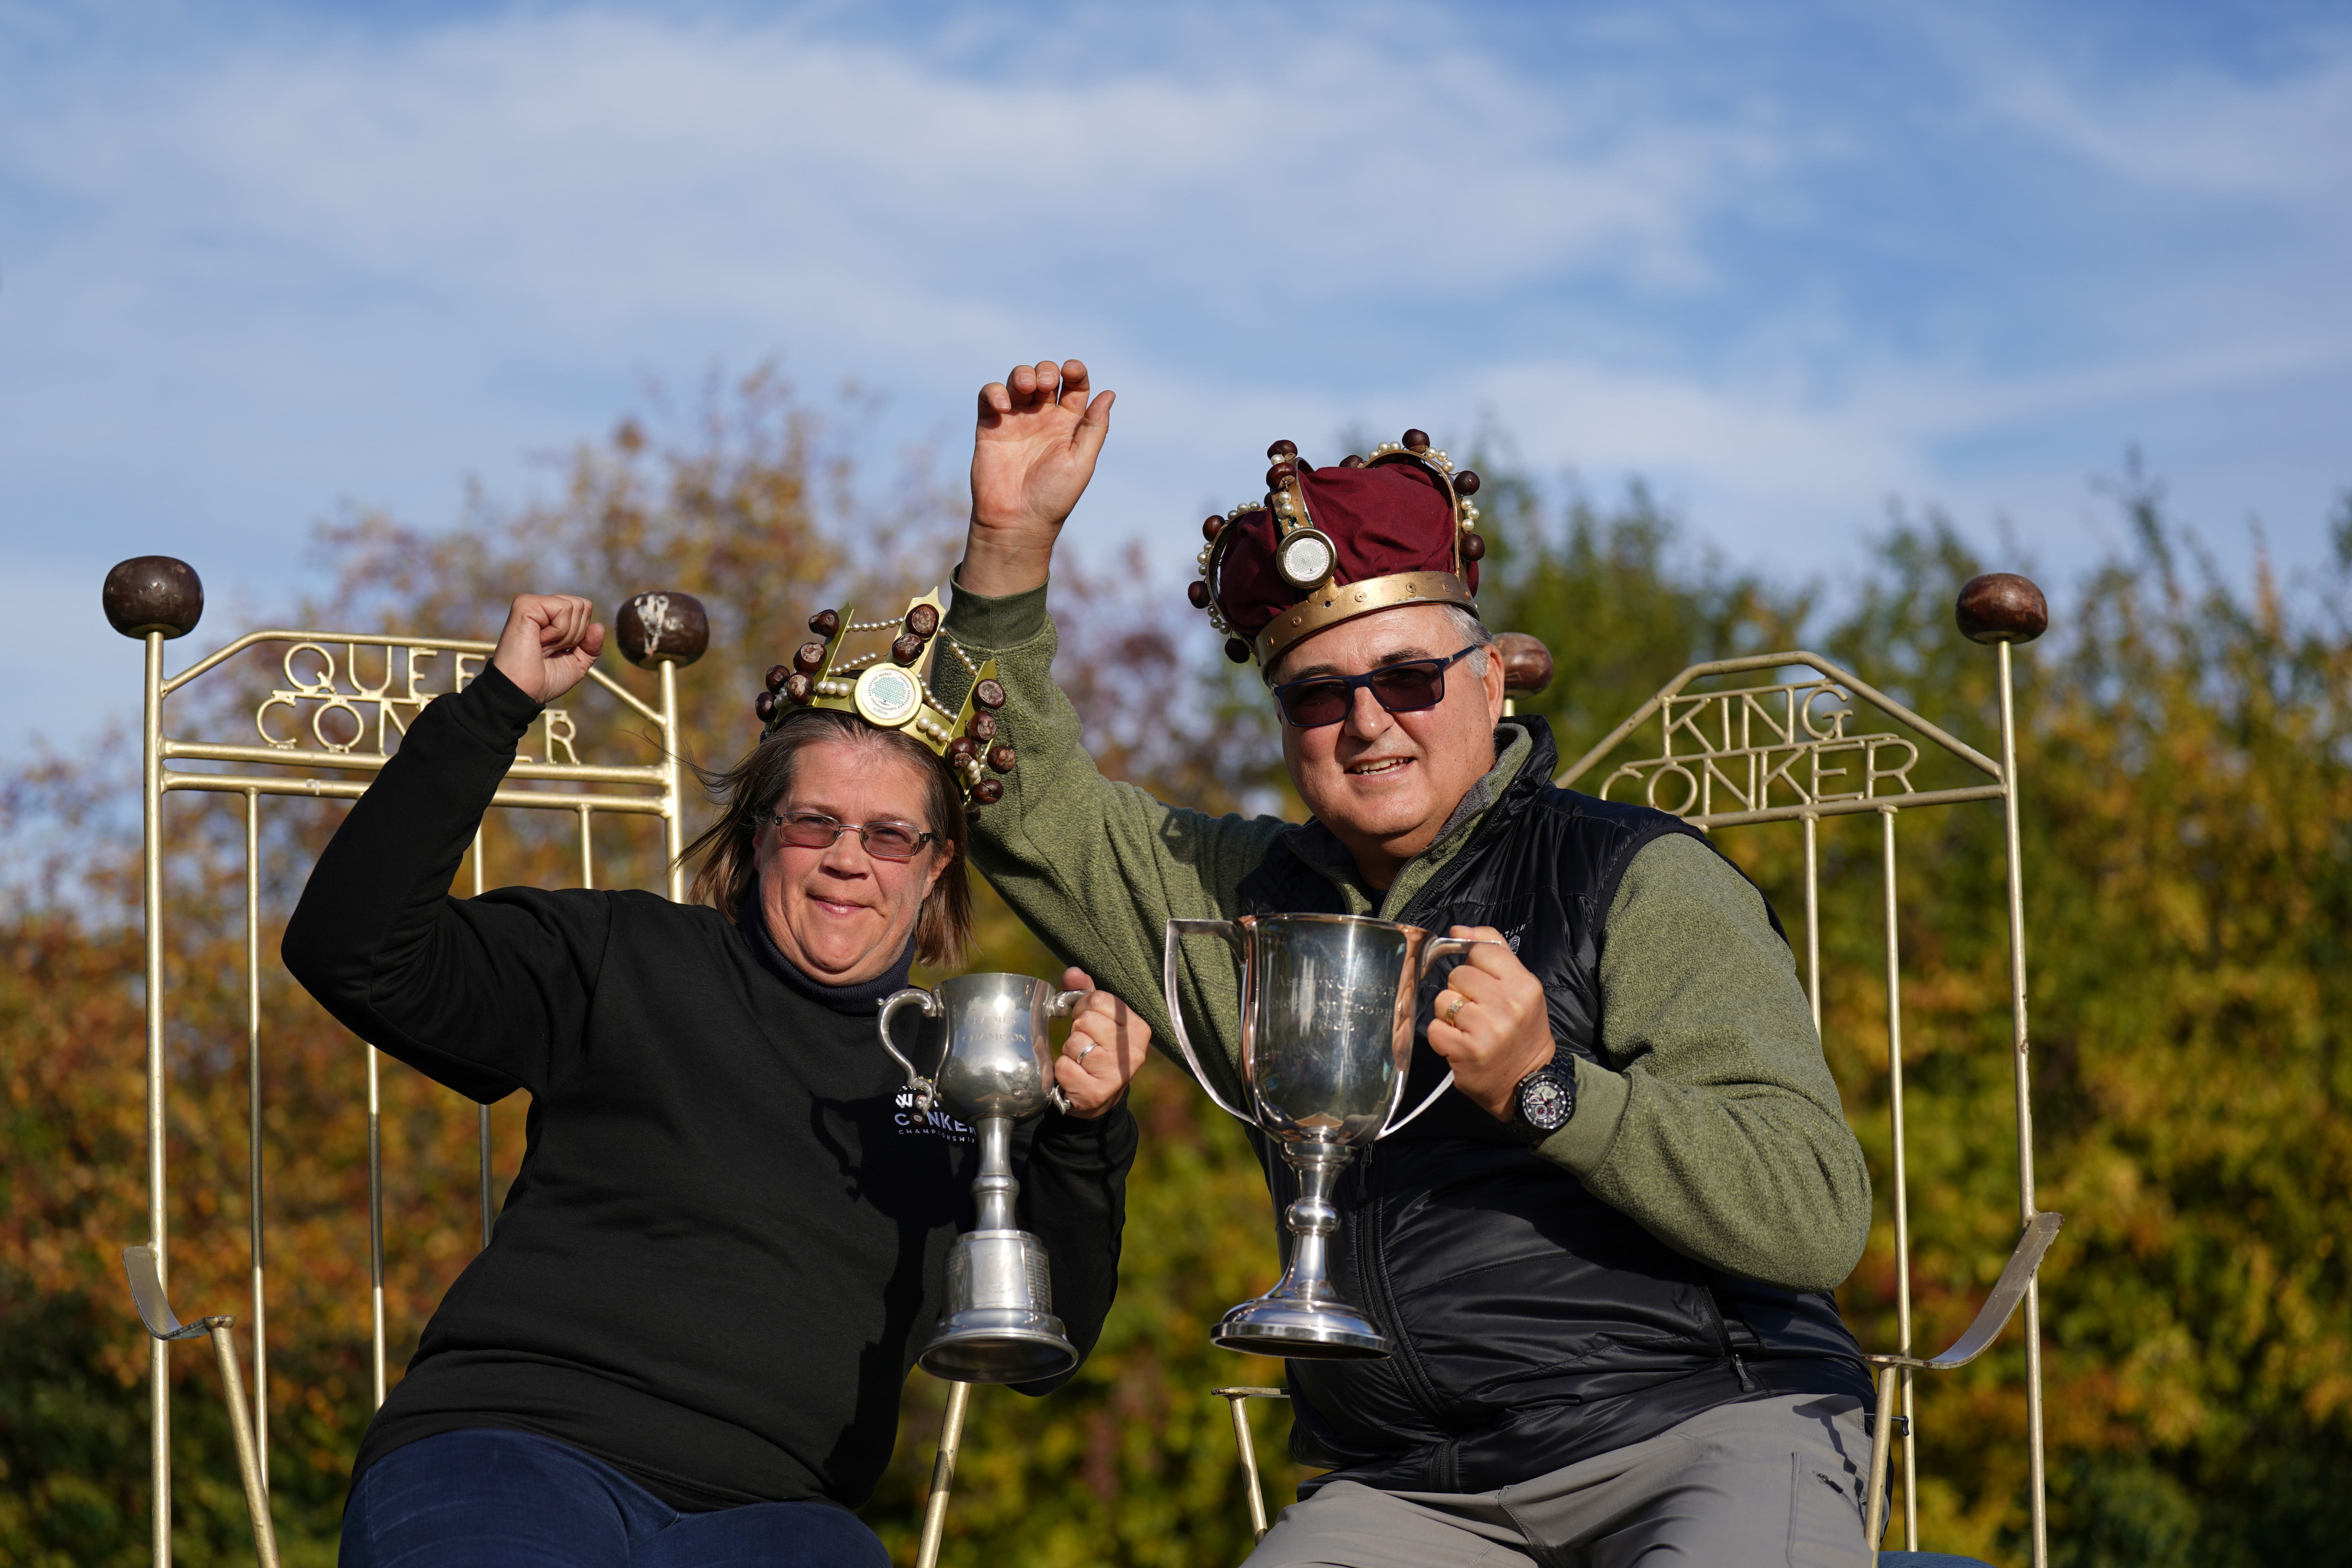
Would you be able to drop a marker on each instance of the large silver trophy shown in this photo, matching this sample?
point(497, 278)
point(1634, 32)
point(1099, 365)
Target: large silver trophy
point(996, 1066)
point(1327, 1039)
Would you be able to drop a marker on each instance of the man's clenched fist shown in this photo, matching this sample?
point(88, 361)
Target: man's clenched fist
point(1107, 1044)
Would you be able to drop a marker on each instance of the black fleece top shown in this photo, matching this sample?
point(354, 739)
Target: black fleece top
point(730, 1232)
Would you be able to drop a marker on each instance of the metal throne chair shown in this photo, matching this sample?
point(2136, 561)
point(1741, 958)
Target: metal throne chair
point(331, 706)
point(1752, 755)
point(326, 709)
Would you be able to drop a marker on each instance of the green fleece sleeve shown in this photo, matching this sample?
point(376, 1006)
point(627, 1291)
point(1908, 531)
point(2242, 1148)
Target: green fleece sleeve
point(1715, 1122)
point(1097, 868)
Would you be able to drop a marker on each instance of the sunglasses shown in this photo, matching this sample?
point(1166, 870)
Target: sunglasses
point(883, 840)
point(1407, 686)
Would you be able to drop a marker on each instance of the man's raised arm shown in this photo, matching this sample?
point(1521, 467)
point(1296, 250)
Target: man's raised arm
point(1096, 868)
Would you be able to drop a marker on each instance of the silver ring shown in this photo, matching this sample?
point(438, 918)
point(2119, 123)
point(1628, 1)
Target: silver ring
point(1459, 1003)
point(1081, 1057)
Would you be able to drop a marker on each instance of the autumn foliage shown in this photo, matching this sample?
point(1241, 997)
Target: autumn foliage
point(2187, 758)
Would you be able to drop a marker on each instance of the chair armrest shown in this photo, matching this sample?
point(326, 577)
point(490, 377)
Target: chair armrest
point(1999, 1307)
point(154, 1307)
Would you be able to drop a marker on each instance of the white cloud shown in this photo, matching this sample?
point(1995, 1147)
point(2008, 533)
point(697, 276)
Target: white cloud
point(2188, 129)
point(582, 164)
point(251, 270)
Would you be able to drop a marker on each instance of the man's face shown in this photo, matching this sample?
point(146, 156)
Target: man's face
point(1385, 783)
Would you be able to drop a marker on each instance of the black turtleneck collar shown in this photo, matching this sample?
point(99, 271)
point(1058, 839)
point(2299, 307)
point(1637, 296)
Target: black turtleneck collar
point(858, 1001)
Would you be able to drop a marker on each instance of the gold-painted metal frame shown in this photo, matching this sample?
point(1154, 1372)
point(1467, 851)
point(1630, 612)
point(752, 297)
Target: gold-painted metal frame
point(1237, 1401)
point(943, 1464)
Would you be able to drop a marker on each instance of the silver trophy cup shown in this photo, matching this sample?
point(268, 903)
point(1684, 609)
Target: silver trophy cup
point(996, 1066)
point(1327, 1038)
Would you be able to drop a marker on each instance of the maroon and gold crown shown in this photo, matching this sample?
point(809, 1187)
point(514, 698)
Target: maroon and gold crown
point(1329, 544)
point(890, 689)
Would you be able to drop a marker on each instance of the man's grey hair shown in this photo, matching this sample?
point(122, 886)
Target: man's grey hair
point(1473, 631)
point(1467, 625)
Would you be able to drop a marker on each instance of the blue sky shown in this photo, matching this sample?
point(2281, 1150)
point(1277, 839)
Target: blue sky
point(1789, 262)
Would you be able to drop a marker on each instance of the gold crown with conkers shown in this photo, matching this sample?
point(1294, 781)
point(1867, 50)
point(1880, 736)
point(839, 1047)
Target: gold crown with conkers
point(889, 687)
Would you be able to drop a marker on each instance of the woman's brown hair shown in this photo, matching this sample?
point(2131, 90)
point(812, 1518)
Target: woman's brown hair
point(748, 792)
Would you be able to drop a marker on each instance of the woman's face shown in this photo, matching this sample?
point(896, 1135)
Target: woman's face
point(841, 914)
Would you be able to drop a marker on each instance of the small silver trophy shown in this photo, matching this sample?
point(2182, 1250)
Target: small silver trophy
point(996, 1066)
point(1327, 1005)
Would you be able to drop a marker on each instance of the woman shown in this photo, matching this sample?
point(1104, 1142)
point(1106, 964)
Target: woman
point(686, 1342)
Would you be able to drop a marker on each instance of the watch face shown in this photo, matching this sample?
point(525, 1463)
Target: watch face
point(1544, 1102)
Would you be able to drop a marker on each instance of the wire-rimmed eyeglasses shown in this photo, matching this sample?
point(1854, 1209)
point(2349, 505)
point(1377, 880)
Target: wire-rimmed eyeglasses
point(883, 840)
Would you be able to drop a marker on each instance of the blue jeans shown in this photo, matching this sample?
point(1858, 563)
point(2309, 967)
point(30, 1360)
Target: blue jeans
point(490, 1498)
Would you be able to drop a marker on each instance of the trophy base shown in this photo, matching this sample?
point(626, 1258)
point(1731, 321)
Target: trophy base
point(997, 1328)
point(998, 1344)
point(1301, 1330)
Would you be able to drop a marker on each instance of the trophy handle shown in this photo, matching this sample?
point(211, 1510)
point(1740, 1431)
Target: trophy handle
point(1439, 947)
point(1177, 930)
point(912, 997)
point(1064, 1005)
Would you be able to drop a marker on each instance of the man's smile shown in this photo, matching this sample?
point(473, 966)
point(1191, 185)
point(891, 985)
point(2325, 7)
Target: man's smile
point(1374, 766)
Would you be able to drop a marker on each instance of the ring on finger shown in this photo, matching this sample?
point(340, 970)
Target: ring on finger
point(1087, 1050)
point(1459, 1003)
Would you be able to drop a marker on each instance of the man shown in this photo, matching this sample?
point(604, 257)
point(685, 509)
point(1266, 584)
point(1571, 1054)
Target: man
point(1603, 1259)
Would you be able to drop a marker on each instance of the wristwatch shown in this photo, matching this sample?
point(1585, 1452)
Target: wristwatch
point(1545, 1098)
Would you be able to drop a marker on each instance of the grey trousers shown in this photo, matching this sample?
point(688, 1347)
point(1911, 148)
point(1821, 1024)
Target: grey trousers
point(1776, 1481)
